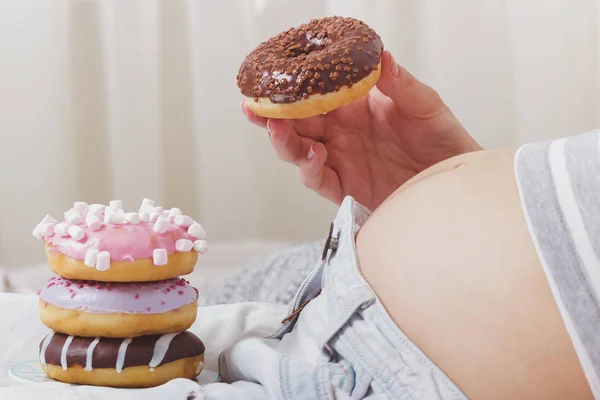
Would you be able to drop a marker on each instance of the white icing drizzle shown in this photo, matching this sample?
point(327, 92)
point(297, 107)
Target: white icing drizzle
point(45, 344)
point(89, 354)
point(63, 353)
point(121, 355)
point(160, 348)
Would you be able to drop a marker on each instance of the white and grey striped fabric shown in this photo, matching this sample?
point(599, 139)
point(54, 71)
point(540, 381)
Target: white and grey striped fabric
point(559, 185)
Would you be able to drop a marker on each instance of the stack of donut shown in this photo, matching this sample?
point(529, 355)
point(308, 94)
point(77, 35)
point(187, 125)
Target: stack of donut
point(118, 309)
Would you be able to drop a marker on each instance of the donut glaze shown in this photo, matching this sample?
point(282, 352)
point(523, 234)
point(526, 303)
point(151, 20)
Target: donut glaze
point(123, 242)
point(320, 57)
point(151, 351)
point(126, 298)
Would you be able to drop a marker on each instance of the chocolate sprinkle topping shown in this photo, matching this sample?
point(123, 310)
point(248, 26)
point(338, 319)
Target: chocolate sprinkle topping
point(286, 68)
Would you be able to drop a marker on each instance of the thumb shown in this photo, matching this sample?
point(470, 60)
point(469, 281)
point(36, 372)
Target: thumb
point(412, 97)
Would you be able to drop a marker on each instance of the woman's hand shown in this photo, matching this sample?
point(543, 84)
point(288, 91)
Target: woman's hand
point(369, 148)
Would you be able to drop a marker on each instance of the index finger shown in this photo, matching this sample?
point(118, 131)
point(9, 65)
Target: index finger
point(312, 127)
point(252, 117)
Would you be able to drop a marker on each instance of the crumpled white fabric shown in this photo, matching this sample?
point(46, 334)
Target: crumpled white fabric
point(219, 327)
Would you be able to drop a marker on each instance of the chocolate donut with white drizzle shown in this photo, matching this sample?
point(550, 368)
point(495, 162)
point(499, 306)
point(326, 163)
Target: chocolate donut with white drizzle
point(133, 362)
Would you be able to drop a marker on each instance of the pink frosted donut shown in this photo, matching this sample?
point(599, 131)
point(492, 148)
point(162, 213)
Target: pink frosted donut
point(87, 308)
point(105, 243)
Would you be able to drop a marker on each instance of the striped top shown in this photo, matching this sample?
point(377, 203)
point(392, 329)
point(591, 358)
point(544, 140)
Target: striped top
point(559, 185)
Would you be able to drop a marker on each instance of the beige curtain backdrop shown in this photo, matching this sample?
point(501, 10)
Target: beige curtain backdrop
point(126, 99)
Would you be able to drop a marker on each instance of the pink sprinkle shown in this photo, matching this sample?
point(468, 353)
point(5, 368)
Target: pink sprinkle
point(73, 295)
point(69, 290)
point(162, 303)
point(67, 284)
point(173, 287)
point(38, 291)
point(50, 284)
point(148, 309)
point(168, 290)
point(137, 296)
point(99, 287)
point(156, 288)
point(79, 285)
point(180, 292)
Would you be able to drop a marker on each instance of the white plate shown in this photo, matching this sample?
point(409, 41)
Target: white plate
point(32, 372)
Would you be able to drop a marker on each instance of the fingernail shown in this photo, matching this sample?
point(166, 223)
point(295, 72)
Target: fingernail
point(395, 68)
point(311, 154)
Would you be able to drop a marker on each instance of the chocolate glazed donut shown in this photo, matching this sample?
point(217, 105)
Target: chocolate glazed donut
point(326, 57)
point(142, 361)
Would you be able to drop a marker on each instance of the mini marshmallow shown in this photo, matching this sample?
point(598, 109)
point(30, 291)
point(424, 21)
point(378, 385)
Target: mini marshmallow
point(96, 209)
point(62, 228)
point(133, 218)
point(184, 221)
point(147, 206)
point(159, 210)
point(103, 261)
point(110, 210)
point(116, 204)
point(173, 212)
point(76, 232)
point(73, 216)
point(41, 228)
point(184, 245)
point(161, 225)
point(46, 229)
point(48, 219)
point(154, 216)
point(160, 257)
point(145, 216)
point(200, 246)
point(114, 218)
point(90, 257)
point(81, 207)
point(37, 233)
point(93, 222)
point(166, 212)
point(196, 230)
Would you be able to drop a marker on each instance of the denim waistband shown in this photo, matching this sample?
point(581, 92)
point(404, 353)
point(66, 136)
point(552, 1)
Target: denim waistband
point(363, 347)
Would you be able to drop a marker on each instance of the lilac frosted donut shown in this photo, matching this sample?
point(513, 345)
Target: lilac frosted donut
point(88, 308)
point(106, 243)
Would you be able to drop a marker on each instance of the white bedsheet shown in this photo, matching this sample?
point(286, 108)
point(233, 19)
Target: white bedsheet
point(218, 327)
